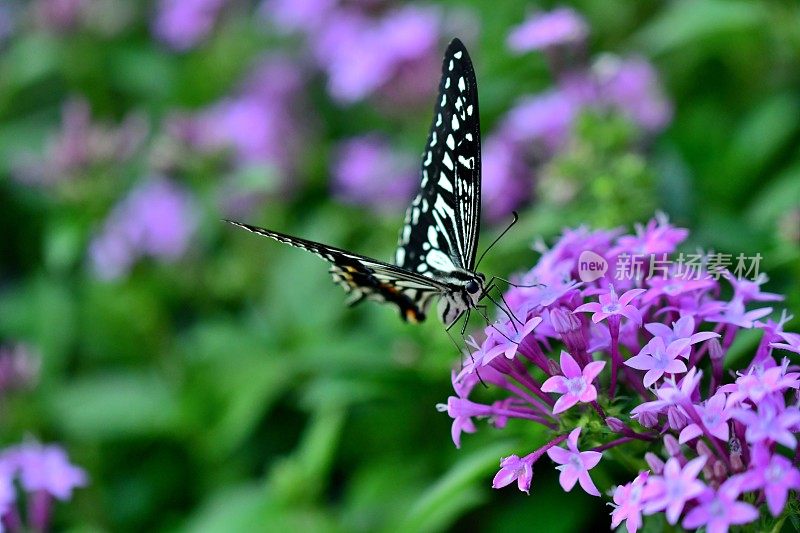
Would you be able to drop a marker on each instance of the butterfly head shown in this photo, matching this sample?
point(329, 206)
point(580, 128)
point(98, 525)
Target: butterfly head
point(474, 289)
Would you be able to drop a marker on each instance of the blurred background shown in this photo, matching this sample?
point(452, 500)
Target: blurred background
point(208, 380)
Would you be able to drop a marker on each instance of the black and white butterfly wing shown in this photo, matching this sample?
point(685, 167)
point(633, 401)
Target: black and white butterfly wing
point(365, 278)
point(440, 232)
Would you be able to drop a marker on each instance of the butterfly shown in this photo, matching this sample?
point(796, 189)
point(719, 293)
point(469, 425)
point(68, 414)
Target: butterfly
point(437, 245)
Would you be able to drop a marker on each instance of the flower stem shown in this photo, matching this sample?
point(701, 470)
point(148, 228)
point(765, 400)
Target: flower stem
point(616, 361)
point(536, 454)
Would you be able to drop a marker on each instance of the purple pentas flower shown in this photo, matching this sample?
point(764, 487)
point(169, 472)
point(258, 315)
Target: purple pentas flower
point(512, 468)
point(628, 504)
point(367, 171)
point(297, 15)
point(574, 464)
point(696, 425)
point(659, 359)
point(735, 314)
point(576, 383)
point(671, 490)
point(792, 342)
point(719, 509)
point(183, 24)
point(770, 423)
point(562, 26)
point(612, 305)
point(774, 474)
point(157, 219)
point(714, 415)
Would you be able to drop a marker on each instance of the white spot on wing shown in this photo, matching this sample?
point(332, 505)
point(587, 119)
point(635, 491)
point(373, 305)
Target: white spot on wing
point(447, 161)
point(461, 85)
point(439, 260)
point(458, 54)
point(450, 66)
point(444, 183)
point(469, 110)
point(433, 139)
point(468, 136)
point(455, 124)
point(451, 143)
point(400, 256)
point(433, 236)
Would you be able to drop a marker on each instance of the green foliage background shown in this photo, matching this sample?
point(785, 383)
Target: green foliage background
point(234, 392)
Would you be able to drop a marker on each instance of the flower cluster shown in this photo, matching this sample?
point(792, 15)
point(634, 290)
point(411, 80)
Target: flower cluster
point(639, 364)
point(45, 474)
point(156, 219)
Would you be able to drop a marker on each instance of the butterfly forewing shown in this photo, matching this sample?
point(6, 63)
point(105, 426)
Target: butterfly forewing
point(440, 232)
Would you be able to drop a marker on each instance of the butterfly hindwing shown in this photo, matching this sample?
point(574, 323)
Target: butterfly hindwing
point(440, 232)
point(365, 278)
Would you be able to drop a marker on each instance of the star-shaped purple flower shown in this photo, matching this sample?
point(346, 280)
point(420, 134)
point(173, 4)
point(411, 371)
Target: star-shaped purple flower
point(612, 305)
point(682, 329)
point(628, 504)
point(513, 468)
point(674, 488)
point(575, 385)
point(775, 474)
point(575, 464)
point(545, 30)
point(719, 509)
point(659, 359)
point(735, 314)
point(714, 415)
point(508, 337)
point(769, 423)
point(792, 342)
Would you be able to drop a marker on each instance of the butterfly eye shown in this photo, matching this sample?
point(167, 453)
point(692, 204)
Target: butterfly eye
point(473, 287)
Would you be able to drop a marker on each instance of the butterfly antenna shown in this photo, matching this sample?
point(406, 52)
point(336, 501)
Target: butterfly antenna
point(518, 286)
point(516, 218)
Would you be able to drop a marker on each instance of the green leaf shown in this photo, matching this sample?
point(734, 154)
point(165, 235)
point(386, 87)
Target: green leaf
point(455, 492)
point(689, 22)
point(114, 406)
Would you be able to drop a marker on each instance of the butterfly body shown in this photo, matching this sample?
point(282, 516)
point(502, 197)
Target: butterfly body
point(438, 242)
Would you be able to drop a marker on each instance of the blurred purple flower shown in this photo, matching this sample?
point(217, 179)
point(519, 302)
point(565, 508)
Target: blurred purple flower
point(507, 183)
point(82, 144)
point(562, 26)
point(183, 24)
point(367, 171)
point(60, 15)
point(298, 15)
point(157, 219)
point(361, 55)
point(774, 474)
point(632, 86)
point(47, 468)
point(257, 124)
point(546, 119)
point(19, 368)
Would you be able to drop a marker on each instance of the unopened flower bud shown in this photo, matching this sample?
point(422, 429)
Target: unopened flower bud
point(555, 370)
point(655, 463)
point(676, 418)
point(703, 449)
point(616, 425)
point(715, 350)
point(672, 446)
point(569, 327)
point(648, 419)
